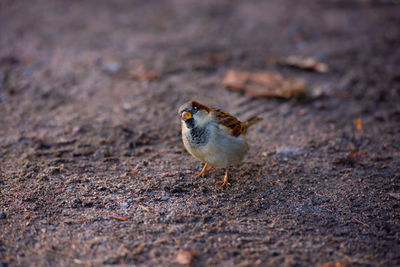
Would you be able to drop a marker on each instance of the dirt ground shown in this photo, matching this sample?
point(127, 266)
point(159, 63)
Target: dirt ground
point(93, 170)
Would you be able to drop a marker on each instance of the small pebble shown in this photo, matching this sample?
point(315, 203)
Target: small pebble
point(2, 215)
point(125, 205)
point(289, 150)
point(111, 260)
point(112, 67)
point(164, 198)
point(101, 188)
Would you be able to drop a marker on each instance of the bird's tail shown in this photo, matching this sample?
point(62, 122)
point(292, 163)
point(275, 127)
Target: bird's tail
point(250, 122)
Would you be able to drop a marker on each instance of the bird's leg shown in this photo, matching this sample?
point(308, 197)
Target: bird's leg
point(204, 171)
point(225, 181)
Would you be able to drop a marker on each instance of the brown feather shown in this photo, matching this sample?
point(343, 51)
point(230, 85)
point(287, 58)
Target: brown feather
point(200, 106)
point(250, 122)
point(234, 125)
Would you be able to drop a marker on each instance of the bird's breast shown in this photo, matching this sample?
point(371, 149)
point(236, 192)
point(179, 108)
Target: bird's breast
point(214, 146)
point(198, 136)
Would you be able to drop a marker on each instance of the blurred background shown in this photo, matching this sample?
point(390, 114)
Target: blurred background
point(92, 167)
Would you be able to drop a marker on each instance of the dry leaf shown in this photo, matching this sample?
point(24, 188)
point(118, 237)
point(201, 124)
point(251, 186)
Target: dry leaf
point(307, 63)
point(356, 154)
point(352, 157)
point(215, 58)
point(395, 195)
point(121, 218)
point(143, 74)
point(343, 263)
point(134, 171)
point(358, 124)
point(78, 261)
point(361, 222)
point(184, 257)
point(263, 84)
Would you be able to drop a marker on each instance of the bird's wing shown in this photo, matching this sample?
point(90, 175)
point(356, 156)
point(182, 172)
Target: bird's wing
point(228, 122)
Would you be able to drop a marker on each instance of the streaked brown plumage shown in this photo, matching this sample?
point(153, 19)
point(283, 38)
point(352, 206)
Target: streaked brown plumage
point(214, 136)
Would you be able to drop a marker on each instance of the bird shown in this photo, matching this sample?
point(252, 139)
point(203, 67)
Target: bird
point(213, 136)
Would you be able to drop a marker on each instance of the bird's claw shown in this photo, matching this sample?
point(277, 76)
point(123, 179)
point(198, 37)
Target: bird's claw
point(223, 183)
point(203, 171)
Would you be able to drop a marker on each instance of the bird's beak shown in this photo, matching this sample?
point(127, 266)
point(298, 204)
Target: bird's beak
point(186, 115)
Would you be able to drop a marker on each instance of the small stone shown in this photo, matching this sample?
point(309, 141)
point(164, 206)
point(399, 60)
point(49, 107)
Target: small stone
point(2, 97)
point(88, 204)
point(285, 151)
point(111, 260)
point(177, 189)
point(185, 257)
point(112, 67)
point(101, 188)
point(2, 215)
point(165, 198)
point(126, 106)
point(125, 205)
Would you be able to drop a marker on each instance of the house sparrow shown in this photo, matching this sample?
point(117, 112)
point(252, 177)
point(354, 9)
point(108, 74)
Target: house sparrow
point(213, 136)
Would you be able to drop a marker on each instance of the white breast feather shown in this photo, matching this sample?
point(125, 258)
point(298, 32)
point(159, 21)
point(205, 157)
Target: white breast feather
point(222, 150)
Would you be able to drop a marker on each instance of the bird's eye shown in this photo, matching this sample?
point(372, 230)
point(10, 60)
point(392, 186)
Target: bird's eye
point(195, 109)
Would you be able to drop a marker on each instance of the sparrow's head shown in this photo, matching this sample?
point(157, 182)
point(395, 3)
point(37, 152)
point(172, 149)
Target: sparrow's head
point(193, 114)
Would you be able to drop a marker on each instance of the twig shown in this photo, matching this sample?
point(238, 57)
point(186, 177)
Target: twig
point(360, 222)
point(143, 208)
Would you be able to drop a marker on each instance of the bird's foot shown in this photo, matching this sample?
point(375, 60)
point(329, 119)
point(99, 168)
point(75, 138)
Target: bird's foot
point(204, 171)
point(225, 181)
